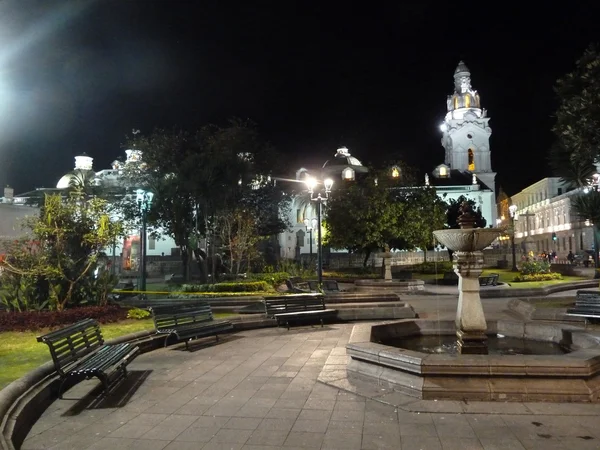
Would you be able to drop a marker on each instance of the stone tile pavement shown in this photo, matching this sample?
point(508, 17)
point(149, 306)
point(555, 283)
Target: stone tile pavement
point(260, 389)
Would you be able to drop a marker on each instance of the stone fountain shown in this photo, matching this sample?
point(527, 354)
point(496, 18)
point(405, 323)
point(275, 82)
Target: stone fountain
point(423, 358)
point(386, 283)
point(468, 243)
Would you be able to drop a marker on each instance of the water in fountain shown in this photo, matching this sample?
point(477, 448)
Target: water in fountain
point(497, 345)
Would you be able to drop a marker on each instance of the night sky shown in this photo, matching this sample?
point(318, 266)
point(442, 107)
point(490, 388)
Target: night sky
point(77, 76)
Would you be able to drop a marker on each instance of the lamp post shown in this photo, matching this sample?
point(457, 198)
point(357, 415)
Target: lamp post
point(513, 210)
point(310, 225)
point(144, 201)
point(319, 197)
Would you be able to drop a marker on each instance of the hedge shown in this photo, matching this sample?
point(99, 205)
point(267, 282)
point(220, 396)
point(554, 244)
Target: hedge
point(36, 320)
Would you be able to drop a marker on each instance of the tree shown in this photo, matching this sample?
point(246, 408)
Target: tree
point(378, 211)
point(58, 258)
point(587, 206)
point(575, 170)
point(427, 213)
point(199, 177)
point(578, 118)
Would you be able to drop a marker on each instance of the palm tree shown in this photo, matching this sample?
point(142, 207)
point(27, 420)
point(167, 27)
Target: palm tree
point(572, 169)
point(587, 207)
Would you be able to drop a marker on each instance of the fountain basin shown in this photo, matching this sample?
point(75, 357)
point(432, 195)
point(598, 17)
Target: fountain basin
point(468, 239)
point(571, 377)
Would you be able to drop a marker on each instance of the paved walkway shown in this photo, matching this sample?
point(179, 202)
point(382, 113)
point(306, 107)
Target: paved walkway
point(260, 389)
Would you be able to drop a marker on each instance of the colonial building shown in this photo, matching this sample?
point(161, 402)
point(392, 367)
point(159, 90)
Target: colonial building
point(83, 172)
point(467, 168)
point(544, 220)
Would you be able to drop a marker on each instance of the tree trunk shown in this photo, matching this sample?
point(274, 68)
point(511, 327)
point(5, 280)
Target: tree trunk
point(366, 260)
point(425, 256)
point(184, 262)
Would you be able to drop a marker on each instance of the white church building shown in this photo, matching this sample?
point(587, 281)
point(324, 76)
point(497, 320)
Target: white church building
point(467, 168)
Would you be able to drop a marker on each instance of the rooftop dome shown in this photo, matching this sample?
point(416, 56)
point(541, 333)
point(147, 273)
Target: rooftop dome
point(77, 175)
point(344, 164)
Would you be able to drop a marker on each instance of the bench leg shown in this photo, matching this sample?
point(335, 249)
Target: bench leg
point(288, 325)
point(60, 388)
point(105, 383)
point(321, 322)
point(217, 337)
point(187, 346)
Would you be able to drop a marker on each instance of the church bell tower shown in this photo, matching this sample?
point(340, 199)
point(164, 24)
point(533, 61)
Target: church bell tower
point(466, 130)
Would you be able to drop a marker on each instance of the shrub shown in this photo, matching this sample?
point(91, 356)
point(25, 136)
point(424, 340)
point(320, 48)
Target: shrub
point(538, 277)
point(35, 320)
point(138, 313)
point(252, 286)
point(535, 267)
point(338, 275)
point(273, 278)
point(432, 267)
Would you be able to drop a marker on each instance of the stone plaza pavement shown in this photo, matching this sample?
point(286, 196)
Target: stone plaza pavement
point(264, 389)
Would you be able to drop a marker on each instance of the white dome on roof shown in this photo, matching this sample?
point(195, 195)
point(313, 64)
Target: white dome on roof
point(64, 181)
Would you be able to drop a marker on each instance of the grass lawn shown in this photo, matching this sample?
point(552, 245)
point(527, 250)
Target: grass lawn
point(507, 276)
point(20, 352)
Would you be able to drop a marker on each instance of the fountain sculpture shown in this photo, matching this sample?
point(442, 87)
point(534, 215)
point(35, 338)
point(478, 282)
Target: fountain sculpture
point(468, 243)
point(386, 355)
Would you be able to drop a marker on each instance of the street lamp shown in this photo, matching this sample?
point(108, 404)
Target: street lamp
point(513, 211)
point(311, 184)
point(144, 201)
point(594, 186)
point(310, 225)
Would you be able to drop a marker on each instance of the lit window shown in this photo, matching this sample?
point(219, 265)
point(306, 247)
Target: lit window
point(443, 172)
point(348, 174)
point(467, 101)
point(471, 160)
point(395, 172)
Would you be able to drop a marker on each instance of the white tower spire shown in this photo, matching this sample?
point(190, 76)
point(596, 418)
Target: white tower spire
point(466, 131)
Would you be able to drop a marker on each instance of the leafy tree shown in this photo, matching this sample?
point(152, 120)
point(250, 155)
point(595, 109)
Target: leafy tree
point(378, 211)
point(426, 213)
point(63, 248)
point(199, 177)
point(578, 118)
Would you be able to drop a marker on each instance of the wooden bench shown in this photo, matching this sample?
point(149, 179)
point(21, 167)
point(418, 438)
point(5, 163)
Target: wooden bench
point(297, 307)
point(489, 280)
point(78, 352)
point(328, 286)
point(293, 287)
point(188, 322)
point(587, 304)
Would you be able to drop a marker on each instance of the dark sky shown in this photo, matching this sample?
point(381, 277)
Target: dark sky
point(77, 76)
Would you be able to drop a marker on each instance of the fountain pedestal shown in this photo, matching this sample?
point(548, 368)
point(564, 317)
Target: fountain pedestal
point(470, 320)
point(386, 265)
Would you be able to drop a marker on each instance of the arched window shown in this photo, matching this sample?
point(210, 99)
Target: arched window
point(443, 172)
point(455, 102)
point(471, 160)
point(467, 101)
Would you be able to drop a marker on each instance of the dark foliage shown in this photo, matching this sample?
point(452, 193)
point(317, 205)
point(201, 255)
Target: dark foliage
point(37, 320)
